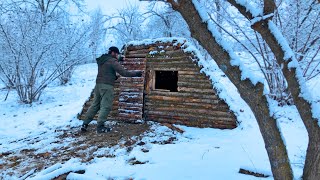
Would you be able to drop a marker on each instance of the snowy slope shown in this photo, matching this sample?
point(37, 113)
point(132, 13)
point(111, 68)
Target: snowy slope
point(196, 154)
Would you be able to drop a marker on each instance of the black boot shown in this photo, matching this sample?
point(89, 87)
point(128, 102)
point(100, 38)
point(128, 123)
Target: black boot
point(84, 127)
point(102, 129)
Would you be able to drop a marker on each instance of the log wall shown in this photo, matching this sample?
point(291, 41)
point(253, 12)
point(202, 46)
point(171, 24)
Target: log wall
point(195, 104)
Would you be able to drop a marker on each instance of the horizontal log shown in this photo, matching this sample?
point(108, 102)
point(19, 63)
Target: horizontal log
point(186, 72)
point(183, 58)
point(173, 65)
point(188, 113)
point(131, 80)
point(129, 104)
point(196, 90)
point(129, 116)
point(131, 107)
point(222, 107)
point(141, 62)
point(155, 61)
point(198, 85)
point(128, 59)
point(131, 93)
point(187, 122)
point(132, 84)
point(189, 116)
point(149, 46)
point(130, 99)
point(182, 99)
point(125, 86)
point(146, 49)
point(134, 65)
point(143, 55)
point(126, 111)
point(173, 53)
point(194, 80)
point(184, 94)
point(192, 120)
point(132, 89)
point(192, 70)
point(193, 76)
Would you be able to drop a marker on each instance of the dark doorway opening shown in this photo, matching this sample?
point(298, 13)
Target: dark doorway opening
point(167, 80)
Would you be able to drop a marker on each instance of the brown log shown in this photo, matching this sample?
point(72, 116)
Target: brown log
point(201, 84)
point(195, 90)
point(218, 120)
point(221, 107)
point(131, 98)
point(194, 77)
point(189, 115)
point(184, 58)
point(182, 99)
point(123, 104)
point(129, 116)
point(128, 59)
point(186, 72)
point(136, 56)
point(173, 65)
point(132, 80)
point(185, 94)
point(191, 70)
point(195, 85)
point(148, 46)
point(178, 110)
point(152, 47)
point(186, 122)
point(142, 62)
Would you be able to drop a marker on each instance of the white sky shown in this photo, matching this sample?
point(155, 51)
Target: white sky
point(109, 6)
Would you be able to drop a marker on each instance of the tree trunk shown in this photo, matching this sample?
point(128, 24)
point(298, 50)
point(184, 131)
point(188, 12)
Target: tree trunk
point(253, 95)
point(312, 163)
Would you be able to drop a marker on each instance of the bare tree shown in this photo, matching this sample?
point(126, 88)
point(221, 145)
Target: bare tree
point(312, 164)
point(97, 33)
point(169, 23)
point(129, 24)
point(253, 95)
point(252, 42)
point(299, 21)
point(38, 47)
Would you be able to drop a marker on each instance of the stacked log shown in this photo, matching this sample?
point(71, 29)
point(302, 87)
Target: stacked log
point(131, 91)
point(194, 104)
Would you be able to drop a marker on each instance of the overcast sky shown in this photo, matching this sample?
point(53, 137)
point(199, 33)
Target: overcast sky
point(109, 6)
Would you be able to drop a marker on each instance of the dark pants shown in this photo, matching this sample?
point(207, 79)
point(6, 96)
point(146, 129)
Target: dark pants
point(102, 102)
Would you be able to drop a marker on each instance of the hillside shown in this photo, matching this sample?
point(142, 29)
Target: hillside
point(42, 141)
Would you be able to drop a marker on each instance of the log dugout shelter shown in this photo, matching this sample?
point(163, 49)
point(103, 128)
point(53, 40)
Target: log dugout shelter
point(171, 90)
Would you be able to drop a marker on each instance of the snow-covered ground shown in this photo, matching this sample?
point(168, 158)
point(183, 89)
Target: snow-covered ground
point(198, 153)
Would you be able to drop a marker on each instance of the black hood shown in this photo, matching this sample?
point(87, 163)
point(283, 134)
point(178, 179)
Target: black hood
point(102, 59)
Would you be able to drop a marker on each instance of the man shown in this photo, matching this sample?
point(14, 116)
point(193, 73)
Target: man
point(108, 66)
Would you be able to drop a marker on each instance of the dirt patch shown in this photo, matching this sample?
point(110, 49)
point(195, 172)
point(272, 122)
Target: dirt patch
point(83, 146)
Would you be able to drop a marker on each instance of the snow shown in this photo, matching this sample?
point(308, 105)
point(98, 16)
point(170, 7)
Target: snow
point(304, 88)
point(198, 153)
point(257, 19)
point(250, 7)
point(289, 54)
point(246, 73)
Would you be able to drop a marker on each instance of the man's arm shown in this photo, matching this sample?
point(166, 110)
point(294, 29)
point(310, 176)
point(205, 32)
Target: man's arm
point(119, 69)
